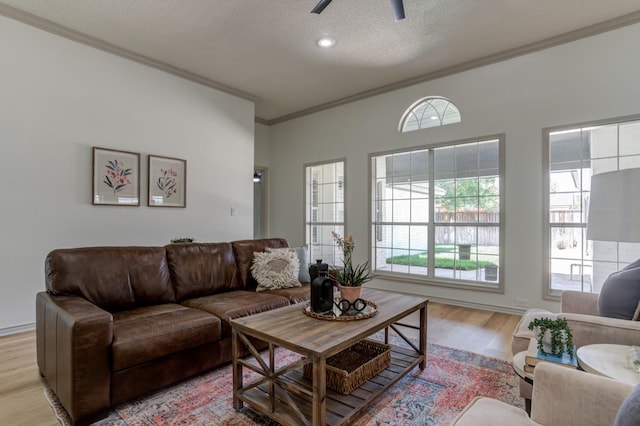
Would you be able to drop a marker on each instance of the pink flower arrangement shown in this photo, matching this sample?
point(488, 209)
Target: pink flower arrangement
point(167, 182)
point(117, 177)
point(349, 276)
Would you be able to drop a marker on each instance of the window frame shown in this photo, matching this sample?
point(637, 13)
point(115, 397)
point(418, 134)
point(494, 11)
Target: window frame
point(428, 100)
point(430, 279)
point(307, 225)
point(547, 292)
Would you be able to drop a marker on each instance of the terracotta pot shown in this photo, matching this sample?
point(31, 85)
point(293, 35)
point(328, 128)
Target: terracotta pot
point(349, 293)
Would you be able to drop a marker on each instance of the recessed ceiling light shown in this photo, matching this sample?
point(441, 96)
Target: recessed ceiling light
point(326, 42)
point(433, 117)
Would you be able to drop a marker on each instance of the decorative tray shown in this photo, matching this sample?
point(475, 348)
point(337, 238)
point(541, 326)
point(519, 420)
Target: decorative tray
point(345, 311)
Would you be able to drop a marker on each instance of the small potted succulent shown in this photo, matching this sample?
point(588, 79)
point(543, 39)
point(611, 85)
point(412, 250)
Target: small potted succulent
point(553, 335)
point(349, 278)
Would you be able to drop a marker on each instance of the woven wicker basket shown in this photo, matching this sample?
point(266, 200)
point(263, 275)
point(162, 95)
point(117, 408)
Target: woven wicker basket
point(351, 368)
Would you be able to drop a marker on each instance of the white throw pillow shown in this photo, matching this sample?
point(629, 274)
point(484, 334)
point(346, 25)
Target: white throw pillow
point(303, 260)
point(274, 270)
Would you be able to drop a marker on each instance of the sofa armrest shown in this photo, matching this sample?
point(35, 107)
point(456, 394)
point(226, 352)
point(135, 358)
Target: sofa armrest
point(579, 302)
point(73, 343)
point(589, 329)
point(564, 396)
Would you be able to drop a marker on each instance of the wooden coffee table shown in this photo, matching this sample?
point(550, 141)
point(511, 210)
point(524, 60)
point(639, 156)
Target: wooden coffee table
point(284, 395)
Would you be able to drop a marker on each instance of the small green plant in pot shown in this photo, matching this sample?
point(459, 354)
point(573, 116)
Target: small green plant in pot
point(350, 277)
point(182, 240)
point(553, 335)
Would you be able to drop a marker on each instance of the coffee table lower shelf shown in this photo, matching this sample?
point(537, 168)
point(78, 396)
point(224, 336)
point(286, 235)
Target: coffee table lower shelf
point(340, 409)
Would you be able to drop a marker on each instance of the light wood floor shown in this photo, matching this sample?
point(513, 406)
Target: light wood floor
point(22, 400)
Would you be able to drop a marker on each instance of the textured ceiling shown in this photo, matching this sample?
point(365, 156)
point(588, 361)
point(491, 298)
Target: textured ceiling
point(265, 50)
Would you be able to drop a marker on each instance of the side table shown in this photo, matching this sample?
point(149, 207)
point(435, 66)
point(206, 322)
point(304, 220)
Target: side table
point(518, 367)
point(609, 361)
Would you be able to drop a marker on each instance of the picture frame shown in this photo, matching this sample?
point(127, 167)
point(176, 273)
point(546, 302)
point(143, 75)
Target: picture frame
point(167, 182)
point(116, 177)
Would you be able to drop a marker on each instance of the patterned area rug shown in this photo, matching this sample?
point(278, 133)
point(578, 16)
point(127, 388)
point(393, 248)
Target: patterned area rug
point(430, 397)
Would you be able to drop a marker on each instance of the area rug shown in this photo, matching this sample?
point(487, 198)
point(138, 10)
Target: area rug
point(430, 397)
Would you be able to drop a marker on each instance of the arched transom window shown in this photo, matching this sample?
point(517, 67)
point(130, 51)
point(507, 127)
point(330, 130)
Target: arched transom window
point(432, 111)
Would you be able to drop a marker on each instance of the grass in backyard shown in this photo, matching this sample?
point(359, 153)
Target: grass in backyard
point(420, 259)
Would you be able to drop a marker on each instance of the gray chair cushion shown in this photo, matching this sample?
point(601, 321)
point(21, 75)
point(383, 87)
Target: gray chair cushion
point(620, 293)
point(629, 412)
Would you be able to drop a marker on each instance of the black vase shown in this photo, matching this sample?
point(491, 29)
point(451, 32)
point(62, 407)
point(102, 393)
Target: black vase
point(314, 270)
point(322, 293)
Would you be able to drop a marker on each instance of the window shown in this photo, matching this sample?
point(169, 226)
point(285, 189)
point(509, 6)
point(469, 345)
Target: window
point(432, 111)
point(437, 215)
point(574, 154)
point(324, 209)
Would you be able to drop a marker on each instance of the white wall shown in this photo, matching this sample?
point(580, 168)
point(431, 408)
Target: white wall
point(261, 145)
point(59, 98)
point(590, 79)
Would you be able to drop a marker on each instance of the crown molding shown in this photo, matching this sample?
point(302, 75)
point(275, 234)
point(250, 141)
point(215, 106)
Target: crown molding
point(62, 31)
point(602, 27)
point(57, 29)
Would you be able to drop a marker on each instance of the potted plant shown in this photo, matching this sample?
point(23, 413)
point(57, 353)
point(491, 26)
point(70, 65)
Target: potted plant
point(349, 278)
point(553, 335)
point(491, 272)
point(464, 251)
point(182, 240)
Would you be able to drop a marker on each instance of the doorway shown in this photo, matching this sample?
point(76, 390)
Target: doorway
point(260, 205)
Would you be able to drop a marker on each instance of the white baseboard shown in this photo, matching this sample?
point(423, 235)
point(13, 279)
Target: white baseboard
point(493, 308)
point(17, 329)
point(447, 301)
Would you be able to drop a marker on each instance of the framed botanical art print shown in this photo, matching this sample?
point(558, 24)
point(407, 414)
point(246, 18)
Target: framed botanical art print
point(167, 182)
point(116, 177)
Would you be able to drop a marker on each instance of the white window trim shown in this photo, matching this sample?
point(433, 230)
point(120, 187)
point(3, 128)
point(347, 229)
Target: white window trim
point(342, 160)
point(547, 292)
point(411, 111)
point(441, 281)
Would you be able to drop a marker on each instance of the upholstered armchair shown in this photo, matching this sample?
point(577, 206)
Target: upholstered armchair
point(561, 397)
point(581, 312)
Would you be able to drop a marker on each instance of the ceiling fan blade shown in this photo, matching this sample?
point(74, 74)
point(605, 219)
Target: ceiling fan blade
point(398, 9)
point(320, 6)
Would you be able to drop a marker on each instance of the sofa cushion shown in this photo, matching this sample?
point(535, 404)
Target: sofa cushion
point(243, 252)
point(274, 270)
point(620, 293)
point(236, 304)
point(629, 412)
point(199, 269)
point(149, 333)
point(302, 253)
point(114, 278)
point(295, 294)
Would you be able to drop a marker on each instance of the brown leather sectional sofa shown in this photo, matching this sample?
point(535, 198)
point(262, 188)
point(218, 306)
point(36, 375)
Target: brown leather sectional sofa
point(118, 322)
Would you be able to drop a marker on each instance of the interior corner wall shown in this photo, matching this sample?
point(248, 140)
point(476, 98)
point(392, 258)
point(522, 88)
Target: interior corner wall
point(590, 79)
point(261, 149)
point(59, 99)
